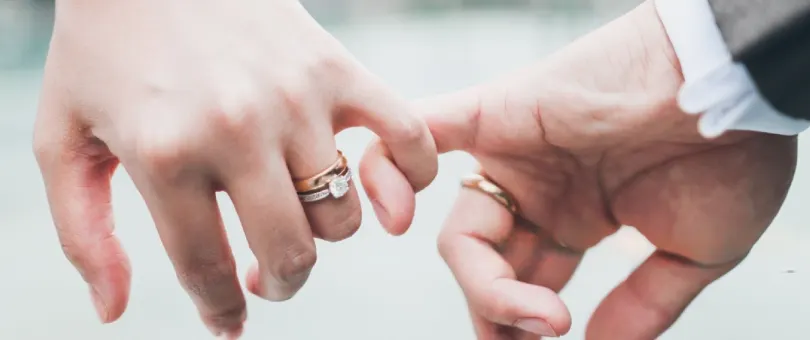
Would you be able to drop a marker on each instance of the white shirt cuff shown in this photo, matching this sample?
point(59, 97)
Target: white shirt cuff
point(714, 84)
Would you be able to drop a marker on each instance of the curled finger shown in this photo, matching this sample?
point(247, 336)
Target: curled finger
point(187, 216)
point(275, 225)
point(323, 180)
point(402, 161)
point(488, 281)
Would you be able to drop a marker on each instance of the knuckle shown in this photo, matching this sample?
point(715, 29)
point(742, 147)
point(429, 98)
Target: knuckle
point(329, 65)
point(293, 97)
point(235, 117)
point(410, 132)
point(160, 154)
point(157, 160)
point(297, 263)
point(79, 251)
point(75, 254)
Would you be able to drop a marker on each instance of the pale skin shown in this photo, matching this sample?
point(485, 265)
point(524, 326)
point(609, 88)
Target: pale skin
point(193, 97)
point(588, 140)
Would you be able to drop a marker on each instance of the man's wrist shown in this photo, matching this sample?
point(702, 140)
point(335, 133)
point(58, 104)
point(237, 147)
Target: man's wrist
point(630, 57)
point(717, 88)
point(626, 68)
point(660, 61)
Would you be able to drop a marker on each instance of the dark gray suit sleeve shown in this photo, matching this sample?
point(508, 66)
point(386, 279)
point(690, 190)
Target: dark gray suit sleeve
point(772, 39)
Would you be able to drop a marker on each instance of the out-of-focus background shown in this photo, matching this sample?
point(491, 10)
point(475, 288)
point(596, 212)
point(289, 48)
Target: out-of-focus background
point(372, 286)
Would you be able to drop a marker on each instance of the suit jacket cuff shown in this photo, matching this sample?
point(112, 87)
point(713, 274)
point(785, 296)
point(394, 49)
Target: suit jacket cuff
point(715, 86)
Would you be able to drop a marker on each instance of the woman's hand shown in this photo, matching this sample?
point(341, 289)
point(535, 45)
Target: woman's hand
point(587, 141)
point(192, 97)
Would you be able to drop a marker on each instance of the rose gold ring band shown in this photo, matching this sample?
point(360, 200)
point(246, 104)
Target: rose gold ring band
point(322, 179)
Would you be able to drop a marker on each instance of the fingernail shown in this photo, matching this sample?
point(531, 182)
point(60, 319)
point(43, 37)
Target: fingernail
point(230, 335)
point(381, 212)
point(536, 326)
point(99, 304)
point(233, 334)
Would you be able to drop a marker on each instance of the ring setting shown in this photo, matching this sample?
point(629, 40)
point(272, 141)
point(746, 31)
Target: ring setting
point(338, 187)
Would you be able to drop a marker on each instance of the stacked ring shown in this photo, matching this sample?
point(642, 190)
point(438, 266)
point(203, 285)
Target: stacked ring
point(334, 181)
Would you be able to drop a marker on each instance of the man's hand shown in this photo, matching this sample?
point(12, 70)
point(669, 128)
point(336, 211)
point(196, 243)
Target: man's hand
point(192, 97)
point(587, 141)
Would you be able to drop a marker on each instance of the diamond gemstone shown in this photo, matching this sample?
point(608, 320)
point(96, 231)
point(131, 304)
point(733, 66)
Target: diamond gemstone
point(339, 187)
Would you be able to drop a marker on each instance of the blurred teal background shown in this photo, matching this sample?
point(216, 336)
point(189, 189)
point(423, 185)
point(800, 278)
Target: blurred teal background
point(26, 24)
point(372, 286)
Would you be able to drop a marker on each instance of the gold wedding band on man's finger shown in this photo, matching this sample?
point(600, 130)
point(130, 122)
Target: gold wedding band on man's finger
point(486, 186)
point(482, 184)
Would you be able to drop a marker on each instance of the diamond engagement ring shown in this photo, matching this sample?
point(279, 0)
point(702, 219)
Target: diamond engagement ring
point(334, 181)
point(338, 187)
